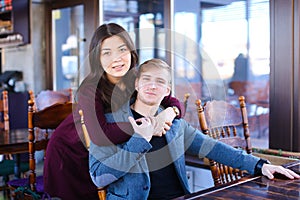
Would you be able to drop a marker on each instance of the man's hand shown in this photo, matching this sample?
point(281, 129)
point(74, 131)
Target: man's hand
point(143, 126)
point(269, 171)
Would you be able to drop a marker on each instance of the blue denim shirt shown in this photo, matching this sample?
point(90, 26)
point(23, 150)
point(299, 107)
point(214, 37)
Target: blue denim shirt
point(123, 168)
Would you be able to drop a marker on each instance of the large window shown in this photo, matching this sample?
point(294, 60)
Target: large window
point(68, 46)
point(222, 52)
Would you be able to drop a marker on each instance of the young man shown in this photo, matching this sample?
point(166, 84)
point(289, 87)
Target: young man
point(153, 167)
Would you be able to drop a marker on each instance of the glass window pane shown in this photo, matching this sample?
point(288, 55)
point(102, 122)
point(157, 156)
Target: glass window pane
point(144, 21)
point(222, 52)
point(68, 47)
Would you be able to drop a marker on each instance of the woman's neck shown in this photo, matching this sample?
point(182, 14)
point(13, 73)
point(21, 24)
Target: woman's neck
point(119, 84)
point(112, 79)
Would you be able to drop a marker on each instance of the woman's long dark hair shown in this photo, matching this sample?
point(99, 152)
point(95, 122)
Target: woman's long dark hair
point(97, 75)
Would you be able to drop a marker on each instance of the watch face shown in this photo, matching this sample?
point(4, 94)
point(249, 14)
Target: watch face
point(176, 110)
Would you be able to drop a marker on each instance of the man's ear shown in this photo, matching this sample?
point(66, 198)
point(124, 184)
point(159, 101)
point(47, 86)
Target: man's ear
point(168, 91)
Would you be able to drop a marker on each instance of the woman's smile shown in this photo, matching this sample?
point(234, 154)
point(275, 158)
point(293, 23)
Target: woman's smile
point(115, 58)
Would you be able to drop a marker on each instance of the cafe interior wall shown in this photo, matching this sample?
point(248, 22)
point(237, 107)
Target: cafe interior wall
point(30, 58)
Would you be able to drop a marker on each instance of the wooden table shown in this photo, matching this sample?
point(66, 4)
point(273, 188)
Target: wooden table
point(257, 188)
point(14, 142)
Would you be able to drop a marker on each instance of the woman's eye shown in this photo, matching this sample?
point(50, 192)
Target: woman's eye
point(106, 53)
point(123, 49)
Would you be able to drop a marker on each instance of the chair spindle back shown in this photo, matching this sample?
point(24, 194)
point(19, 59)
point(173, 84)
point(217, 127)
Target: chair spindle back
point(222, 121)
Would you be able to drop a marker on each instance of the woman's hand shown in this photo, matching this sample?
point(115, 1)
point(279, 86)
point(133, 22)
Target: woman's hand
point(164, 121)
point(161, 127)
point(269, 170)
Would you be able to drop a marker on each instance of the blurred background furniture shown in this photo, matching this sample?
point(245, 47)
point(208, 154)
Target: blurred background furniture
point(4, 123)
point(221, 120)
point(11, 164)
point(49, 97)
point(8, 80)
point(184, 104)
point(257, 95)
point(44, 99)
point(48, 119)
point(101, 191)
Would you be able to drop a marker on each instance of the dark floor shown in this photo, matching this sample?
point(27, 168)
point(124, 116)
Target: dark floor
point(39, 171)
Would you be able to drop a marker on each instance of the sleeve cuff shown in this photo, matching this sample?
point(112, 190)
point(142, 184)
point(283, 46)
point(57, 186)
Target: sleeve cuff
point(258, 166)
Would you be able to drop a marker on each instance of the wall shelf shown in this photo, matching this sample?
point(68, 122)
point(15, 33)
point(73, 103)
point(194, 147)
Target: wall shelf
point(14, 23)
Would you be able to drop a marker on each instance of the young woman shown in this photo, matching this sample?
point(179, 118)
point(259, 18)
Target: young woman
point(110, 83)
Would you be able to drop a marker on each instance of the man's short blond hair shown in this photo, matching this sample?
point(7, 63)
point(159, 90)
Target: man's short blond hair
point(154, 62)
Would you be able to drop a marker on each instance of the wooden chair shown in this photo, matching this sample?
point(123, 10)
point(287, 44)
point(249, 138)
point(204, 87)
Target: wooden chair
point(46, 119)
point(185, 103)
point(49, 97)
point(101, 191)
point(4, 124)
point(257, 95)
point(221, 120)
point(8, 164)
